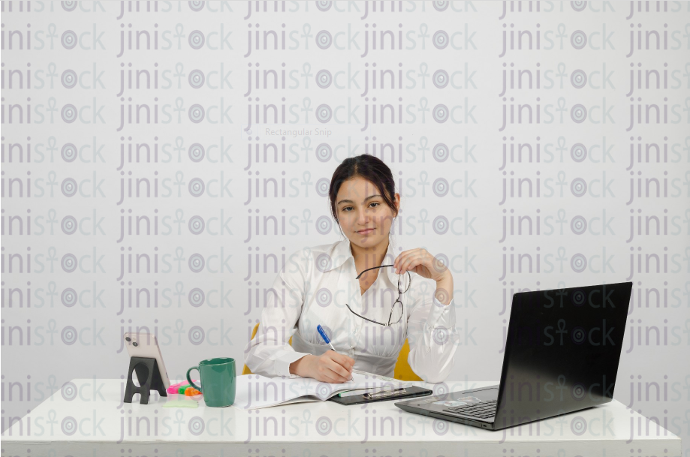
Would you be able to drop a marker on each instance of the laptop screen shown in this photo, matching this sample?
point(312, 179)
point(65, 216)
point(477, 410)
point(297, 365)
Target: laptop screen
point(562, 351)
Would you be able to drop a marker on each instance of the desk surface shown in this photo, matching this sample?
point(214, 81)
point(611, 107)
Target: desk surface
point(88, 416)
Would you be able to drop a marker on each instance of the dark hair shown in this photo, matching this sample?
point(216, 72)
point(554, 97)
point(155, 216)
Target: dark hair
point(370, 168)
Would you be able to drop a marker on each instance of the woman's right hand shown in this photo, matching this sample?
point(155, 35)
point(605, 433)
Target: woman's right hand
point(328, 367)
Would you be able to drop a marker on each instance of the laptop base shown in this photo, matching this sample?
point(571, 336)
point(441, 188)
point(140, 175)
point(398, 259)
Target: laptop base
point(437, 405)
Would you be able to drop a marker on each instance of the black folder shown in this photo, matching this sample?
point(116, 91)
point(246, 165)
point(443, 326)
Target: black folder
point(395, 394)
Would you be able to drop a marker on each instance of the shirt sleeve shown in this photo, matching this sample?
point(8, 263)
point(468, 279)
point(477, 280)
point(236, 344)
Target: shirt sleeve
point(269, 353)
point(431, 333)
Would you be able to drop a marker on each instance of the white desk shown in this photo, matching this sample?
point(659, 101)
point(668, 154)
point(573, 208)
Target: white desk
point(89, 419)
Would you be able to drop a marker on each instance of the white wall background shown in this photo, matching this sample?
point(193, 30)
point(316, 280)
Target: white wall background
point(61, 127)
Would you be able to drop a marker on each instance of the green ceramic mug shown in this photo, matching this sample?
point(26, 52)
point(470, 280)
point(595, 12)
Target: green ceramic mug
point(217, 378)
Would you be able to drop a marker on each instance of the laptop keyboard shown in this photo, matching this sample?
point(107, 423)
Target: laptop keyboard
point(481, 410)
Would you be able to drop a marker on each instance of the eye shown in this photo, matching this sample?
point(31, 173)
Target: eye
point(372, 203)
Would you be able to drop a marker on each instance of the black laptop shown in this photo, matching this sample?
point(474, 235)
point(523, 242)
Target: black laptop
point(562, 353)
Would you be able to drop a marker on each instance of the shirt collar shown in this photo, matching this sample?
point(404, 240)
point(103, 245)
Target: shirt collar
point(341, 253)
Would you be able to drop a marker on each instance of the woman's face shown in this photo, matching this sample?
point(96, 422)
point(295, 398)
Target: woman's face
point(360, 206)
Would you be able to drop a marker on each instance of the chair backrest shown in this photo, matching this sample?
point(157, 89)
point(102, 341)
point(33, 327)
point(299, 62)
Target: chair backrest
point(402, 370)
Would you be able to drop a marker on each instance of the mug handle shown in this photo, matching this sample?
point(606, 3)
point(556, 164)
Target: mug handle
point(189, 379)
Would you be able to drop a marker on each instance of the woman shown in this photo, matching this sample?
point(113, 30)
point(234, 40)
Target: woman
point(366, 314)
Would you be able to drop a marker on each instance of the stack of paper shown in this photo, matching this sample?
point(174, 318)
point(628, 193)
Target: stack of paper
point(256, 391)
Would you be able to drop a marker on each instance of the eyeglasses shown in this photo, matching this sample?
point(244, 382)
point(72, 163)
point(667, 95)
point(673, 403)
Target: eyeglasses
point(397, 308)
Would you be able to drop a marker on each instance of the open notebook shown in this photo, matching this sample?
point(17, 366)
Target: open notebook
point(256, 391)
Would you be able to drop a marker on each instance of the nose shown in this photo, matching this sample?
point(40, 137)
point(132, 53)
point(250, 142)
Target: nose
point(363, 219)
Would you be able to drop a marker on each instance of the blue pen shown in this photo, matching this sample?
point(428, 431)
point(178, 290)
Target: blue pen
point(328, 341)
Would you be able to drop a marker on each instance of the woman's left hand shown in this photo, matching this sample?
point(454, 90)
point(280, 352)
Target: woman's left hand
point(421, 262)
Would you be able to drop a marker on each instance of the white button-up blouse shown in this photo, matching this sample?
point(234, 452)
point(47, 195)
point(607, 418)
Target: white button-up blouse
point(313, 288)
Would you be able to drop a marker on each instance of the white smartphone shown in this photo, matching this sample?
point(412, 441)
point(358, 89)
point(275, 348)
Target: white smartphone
point(146, 345)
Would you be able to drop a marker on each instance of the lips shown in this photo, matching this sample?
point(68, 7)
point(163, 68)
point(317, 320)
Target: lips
point(364, 232)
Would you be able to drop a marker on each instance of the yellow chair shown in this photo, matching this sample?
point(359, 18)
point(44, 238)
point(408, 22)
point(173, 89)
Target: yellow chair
point(402, 370)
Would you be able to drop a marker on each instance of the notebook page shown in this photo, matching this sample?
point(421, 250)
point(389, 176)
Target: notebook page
point(256, 391)
point(375, 383)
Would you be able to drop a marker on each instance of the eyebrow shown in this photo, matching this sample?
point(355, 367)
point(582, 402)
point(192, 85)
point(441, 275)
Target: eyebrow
point(350, 201)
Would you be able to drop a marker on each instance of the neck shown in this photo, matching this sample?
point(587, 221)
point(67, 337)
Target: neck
point(370, 256)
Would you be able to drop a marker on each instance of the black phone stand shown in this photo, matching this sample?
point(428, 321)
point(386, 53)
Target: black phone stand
point(149, 378)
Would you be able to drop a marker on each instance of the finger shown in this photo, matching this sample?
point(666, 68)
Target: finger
point(345, 364)
point(398, 262)
point(420, 258)
point(399, 259)
point(333, 376)
point(402, 257)
point(329, 376)
point(326, 372)
point(343, 360)
point(409, 264)
point(336, 356)
point(404, 263)
point(338, 369)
